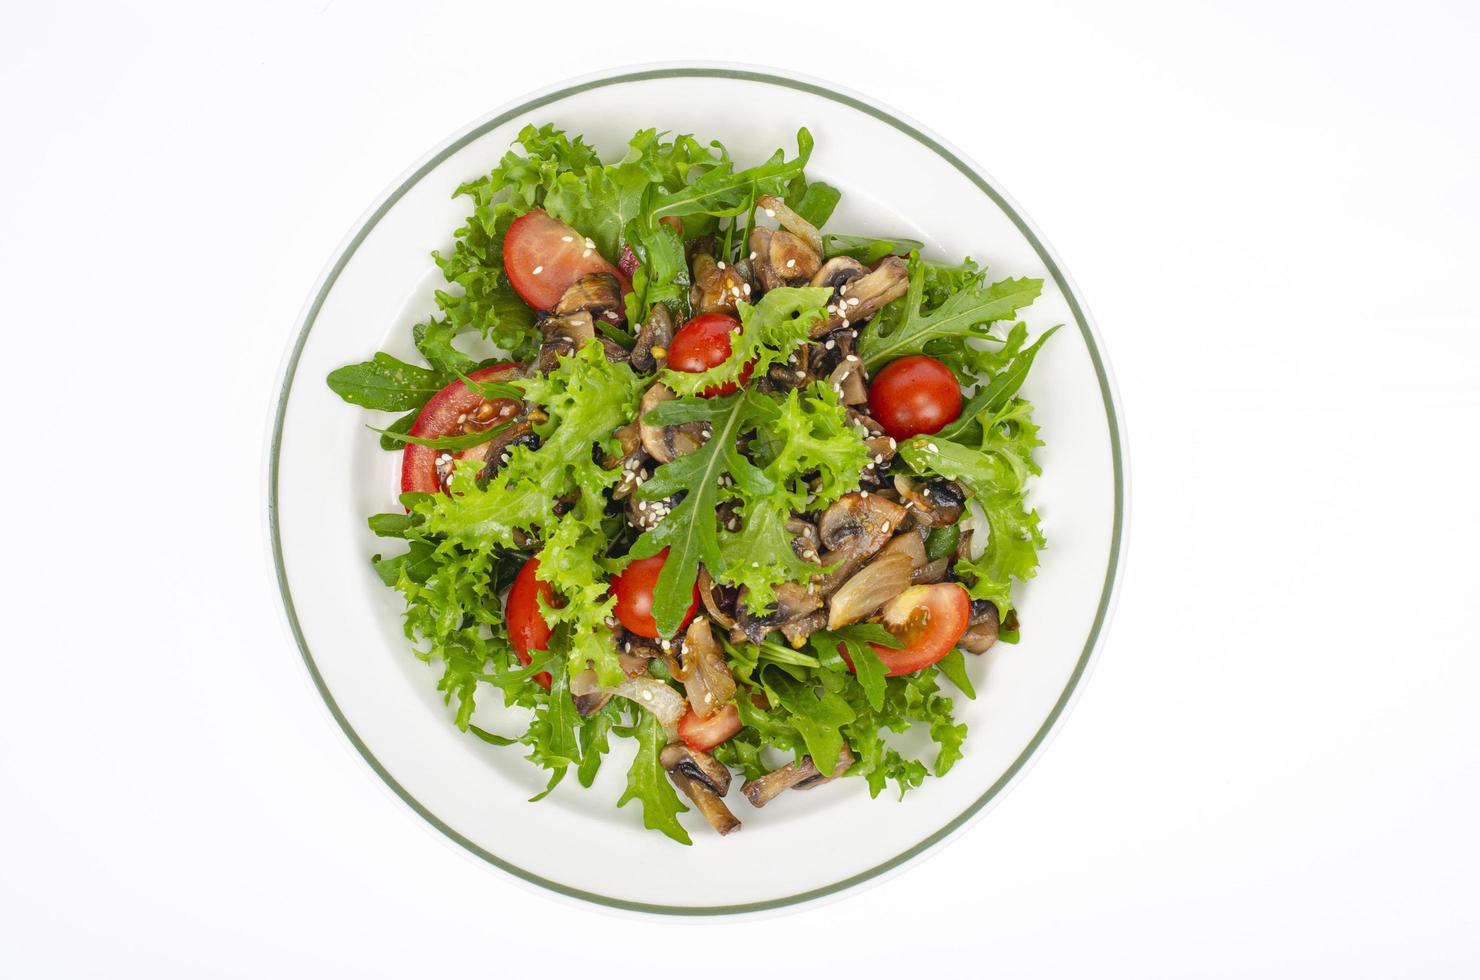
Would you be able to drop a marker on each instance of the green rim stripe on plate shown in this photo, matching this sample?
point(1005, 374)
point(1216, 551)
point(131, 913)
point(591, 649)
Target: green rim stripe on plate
point(966, 171)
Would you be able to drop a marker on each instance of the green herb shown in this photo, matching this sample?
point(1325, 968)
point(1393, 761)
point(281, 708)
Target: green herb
point(386, 383)
point(648, 783)
point(964, 315)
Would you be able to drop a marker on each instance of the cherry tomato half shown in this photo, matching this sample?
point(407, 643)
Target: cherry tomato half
point(703, 343)
point(914, 395)
point(544, 256)
point(452, 411)
point(527, 627)
point(703, 734)
point(633, 588)
point(929, 619)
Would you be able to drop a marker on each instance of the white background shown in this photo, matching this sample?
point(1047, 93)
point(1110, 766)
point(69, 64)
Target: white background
point(1273, 212)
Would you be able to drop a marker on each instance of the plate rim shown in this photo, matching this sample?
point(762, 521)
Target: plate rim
point(968, 169)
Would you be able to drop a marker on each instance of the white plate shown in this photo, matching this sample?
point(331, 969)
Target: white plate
point(327, 475)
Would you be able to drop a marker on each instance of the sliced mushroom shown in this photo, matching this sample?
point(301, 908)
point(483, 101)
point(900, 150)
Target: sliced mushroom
point(645, 514)
point(978, 639)
point(860, 516)
point(847, 380)
point(598, 294)
point(776, 208)
point(705, 675)
point(792, 603)
point(839, 271)
point(563, 335)
point(704, 780)
point(650, 352)
point(666, 443)
point(782, 259)
point(931, 572)
point(803, 539)
point(520, 433)
point(765, 789)
point(935, 503)
point(861, 298)
point(873, 585)
point(586, 692)
point(712, 597)
point(717, 286)
point(797, 631)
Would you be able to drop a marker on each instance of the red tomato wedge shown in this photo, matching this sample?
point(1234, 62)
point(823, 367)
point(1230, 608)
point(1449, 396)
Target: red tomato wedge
point(452, 411)
point(527, 627)
point(929, 619)
point(633, 587)
point(544, 256)
point(703, 734)
point(703, 343)
point(914, 395)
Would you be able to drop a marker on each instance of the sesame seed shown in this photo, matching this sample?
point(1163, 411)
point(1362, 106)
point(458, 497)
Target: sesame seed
point(830, 345)
point(755, 564)
point(932, 447)
point(843, 289)
point(863, 494)
point(590, 243)
point(567, 238)
point(852, 300)
point(746, 288)
point(538, 269)
point(752, 256)
point(648, 695)
point(791, 263)
point(708, 696)
point(886, 527)
point(893, 444)
point(801, 375)
point(719, 265)
point(879, 458)
point(586, 254)
point(851, 358)
point(770, 212)
point(664, 644)
point(831, 310)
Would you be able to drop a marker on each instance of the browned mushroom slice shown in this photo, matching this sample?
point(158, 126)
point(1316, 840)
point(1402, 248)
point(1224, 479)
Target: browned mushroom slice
point(803, 539)
point(650, 352)
point(520, 433)
point(799, 226)
point(598, 294)
point(782, 259)
point(563, 335)
point(847, 380)
point(935, 503)
point(861, 298)
point(645, 514)
point(665, 443)
point(870, 587)
point(717, 286)
point(586, 692)
point(982, 632)
point(797, 631)
point(864, 517)
point(765, 789)
point(792, 603)
point(838, 272)
point(704, 780)
point(705, 676)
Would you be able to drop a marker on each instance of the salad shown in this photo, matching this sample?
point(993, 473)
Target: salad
point(733, 487)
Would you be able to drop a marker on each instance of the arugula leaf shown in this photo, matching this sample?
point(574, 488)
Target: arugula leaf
point(417, 564)
point(594, 745)
point(400, 426)
point(962, 316)
point(953, 665)
point(392, 525)
point(690, 531)
point(647, 783)
point(999, 391)
point(465, 441)
point(491, 738)
point(816, 202)
point(385, 383)
point(770, 331)
point(866, 249)
point(723, 193)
